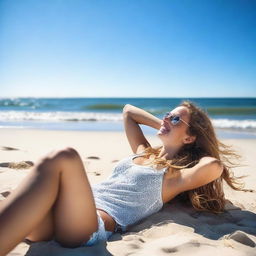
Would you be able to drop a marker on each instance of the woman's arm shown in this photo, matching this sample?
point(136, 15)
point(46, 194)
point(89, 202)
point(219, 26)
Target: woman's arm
point(207, 170)
point(133, 117)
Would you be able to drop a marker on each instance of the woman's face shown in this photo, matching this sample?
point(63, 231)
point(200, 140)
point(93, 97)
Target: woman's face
point(173, 130)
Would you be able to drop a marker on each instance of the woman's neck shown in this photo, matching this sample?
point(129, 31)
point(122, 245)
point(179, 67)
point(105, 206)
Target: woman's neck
point(168, 152)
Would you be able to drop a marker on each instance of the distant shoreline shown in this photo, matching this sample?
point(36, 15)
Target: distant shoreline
point(221, 133)
point(124, 97)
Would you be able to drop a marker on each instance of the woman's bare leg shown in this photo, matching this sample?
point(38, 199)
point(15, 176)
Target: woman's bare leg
point(57, 184)
point(44, 231)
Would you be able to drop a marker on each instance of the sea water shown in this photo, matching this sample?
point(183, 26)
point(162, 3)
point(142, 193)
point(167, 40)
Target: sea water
point(232, 117)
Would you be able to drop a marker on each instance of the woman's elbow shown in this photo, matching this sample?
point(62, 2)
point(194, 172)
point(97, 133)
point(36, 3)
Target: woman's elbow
point(127, 108)
point(217, 168)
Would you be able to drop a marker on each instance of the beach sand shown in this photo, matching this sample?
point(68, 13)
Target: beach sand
point(176, 230)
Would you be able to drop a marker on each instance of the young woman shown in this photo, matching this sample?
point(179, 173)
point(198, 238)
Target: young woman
point(56, 201)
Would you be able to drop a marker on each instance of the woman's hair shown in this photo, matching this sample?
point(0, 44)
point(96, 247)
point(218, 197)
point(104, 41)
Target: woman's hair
point(209, 197)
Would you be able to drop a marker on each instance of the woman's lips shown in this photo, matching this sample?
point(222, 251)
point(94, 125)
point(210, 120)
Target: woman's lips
point(164, 128)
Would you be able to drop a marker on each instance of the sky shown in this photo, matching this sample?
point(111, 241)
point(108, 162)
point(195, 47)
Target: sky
point(128, 48)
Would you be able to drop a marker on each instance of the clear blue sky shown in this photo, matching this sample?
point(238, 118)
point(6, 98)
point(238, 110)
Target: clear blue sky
point(127, 48)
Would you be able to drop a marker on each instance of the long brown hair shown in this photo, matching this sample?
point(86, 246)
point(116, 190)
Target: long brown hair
point(209, 197)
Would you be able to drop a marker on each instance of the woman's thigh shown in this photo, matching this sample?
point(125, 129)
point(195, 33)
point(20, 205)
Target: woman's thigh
point(74, 212)
point(43, 231)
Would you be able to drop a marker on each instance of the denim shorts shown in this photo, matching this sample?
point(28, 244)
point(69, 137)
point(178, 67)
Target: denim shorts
point(100, 235)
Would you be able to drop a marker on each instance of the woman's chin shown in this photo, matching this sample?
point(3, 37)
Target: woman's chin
point(161, 134)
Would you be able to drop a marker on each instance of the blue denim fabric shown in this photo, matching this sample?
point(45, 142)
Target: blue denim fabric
point(100, 235)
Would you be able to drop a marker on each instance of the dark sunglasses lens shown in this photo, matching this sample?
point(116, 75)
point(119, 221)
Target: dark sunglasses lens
point(175, 120)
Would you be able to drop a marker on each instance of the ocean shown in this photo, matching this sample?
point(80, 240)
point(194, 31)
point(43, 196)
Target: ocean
point(232, 117)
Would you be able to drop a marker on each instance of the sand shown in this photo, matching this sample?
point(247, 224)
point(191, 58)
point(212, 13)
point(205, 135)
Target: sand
point(176, 230)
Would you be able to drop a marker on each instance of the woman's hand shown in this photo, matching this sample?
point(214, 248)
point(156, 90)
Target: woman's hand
point(133, 117)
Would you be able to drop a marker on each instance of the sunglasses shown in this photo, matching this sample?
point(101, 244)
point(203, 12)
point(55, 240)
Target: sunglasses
point(175, 119)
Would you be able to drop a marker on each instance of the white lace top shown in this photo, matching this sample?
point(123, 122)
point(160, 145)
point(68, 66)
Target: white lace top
point(131, 193)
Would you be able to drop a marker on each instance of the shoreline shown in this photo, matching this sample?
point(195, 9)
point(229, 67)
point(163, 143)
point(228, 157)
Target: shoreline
point(221, 133)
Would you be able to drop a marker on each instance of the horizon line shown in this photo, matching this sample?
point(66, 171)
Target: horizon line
point(126, 97)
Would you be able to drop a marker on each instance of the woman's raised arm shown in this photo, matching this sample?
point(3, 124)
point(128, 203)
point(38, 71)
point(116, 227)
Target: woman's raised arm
point(133, 117)
point(204, 172)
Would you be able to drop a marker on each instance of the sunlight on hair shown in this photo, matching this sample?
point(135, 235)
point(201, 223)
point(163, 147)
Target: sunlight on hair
point(209, 197)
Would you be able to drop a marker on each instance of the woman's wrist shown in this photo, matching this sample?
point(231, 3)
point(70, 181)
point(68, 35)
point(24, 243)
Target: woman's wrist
point(141, 116)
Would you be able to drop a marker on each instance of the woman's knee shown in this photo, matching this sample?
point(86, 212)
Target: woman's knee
point(56, 158)
point(64, 153)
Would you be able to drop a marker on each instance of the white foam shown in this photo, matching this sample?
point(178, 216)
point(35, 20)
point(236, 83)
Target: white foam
point(57, 116)
point(234, 124)
point(60, 116)
point(12, 127)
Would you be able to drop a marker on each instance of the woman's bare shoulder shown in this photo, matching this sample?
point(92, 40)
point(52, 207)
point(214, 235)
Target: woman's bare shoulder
point(205, 160)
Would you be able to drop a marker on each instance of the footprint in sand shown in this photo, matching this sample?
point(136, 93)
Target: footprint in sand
point(17, 165)
point(190, 245)
point(8, 148)
point(96, 173)
point(93, 157)
point(242, 238)
point(5, 193)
